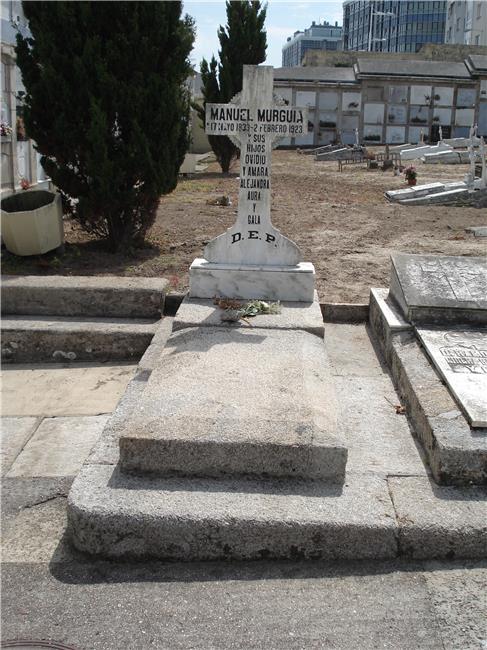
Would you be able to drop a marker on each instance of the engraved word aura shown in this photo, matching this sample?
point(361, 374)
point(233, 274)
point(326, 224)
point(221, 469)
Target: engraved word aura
point(255, 123)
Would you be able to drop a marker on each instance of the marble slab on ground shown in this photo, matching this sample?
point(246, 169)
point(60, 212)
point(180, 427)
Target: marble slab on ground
point(199, 312)
point(460, 356)
point(418, 190)
point(477, 231)
point(440, 289)
point(58, 447)
point(237, 401)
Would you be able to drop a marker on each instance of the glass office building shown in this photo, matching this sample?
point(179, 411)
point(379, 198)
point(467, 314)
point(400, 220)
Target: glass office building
point(316, 37)
point(392, 25)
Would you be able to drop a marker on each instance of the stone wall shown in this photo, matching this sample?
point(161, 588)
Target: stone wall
point(429, 52)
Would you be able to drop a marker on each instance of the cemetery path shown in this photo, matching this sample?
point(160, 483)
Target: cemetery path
point(340, 220)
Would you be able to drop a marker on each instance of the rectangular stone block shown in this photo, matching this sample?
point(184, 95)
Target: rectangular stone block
point(202, 312)
point(440, 289)
point(232, 401)
point(439, 521)
point(294, 283)
point(117, 515)
point(105, 296)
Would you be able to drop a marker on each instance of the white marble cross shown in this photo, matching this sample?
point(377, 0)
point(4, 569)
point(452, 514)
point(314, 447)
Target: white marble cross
point(255, 121)
point(470, 177)
point(483, 175)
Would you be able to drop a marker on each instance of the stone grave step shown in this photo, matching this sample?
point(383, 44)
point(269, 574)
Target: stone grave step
point(106, 297)
point(27, 339)
point(117, 515)
point(233, 401)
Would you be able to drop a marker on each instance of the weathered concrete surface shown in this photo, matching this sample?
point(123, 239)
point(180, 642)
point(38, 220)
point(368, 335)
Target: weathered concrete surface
point(456, 454)
point(23, 506)
point(351, 352)
point(104, 296)
point(117, 515)
point(151, 356)
point(15, 432)
point(439, 521)
point(457, 594)
point(34, 534)
point(36, 339)
point(59, 446)
point(200, 312)
point(106, 451)
point(237, 401)
point(79, 389)
point(290, 606)
point(378, 439)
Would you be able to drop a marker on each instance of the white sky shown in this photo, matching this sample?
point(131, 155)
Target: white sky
point(283, 19)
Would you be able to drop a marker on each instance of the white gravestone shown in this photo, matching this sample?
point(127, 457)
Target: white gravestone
point(252, 259)
point(460, 356)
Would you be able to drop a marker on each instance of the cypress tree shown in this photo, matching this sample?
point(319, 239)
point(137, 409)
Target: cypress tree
point(107, 106)
point(242, 41)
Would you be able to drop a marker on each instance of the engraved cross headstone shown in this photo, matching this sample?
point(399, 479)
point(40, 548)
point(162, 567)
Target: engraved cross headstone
point(470, 177)
point(255, 121)
point(483, 161)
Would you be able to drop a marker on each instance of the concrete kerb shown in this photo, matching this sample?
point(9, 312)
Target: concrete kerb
point(103, 296)
point(39, 339)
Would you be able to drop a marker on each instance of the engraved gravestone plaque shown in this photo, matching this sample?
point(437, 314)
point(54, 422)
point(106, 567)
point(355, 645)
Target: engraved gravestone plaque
point(460, 356)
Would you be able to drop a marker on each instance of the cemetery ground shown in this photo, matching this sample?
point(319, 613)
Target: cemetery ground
point(340, 220)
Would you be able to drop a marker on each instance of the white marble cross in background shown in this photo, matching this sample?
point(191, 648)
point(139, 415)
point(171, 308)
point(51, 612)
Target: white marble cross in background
point(255, 121)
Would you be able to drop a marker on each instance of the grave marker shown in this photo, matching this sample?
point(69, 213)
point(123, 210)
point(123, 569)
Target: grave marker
point(440, 289)
point(255, 120)
point(460, 356)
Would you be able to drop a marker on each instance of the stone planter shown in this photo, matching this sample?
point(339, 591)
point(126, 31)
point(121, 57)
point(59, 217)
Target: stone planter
point(32, 222)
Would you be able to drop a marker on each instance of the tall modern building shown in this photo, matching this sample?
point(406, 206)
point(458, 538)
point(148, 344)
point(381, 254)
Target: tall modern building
point(392, 25)
point(466, 22)
point(317, 37)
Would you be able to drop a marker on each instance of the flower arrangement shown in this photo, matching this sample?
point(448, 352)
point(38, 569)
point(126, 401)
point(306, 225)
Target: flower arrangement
point(5, 129)
point(410, 173)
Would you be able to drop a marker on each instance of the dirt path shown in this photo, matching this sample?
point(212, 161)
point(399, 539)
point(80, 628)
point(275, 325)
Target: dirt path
point(341, 221)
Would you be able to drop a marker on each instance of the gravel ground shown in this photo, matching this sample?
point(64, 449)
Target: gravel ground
point(341, 221)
